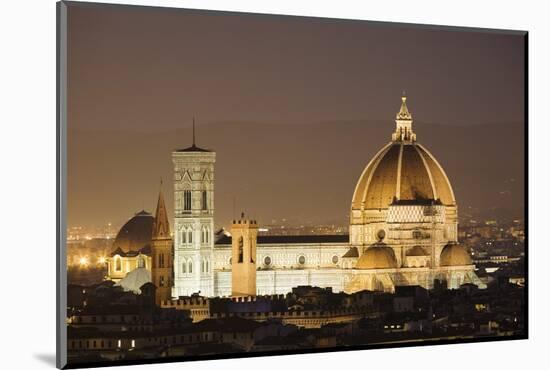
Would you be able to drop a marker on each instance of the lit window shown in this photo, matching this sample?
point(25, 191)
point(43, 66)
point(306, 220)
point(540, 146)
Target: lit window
point(133, 343)
point(119, 343)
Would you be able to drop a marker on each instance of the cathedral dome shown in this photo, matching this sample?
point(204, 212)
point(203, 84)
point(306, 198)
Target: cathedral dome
point(136, 233)
point(378, 256)
point(454, 255)
point(403, 170)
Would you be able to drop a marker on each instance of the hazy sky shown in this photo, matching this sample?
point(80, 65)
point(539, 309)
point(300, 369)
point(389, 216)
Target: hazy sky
point(139, 71)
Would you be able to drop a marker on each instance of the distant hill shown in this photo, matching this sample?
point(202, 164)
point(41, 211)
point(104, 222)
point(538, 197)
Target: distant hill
point(299, 172)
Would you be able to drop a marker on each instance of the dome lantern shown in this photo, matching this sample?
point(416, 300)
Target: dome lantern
point(403, 123)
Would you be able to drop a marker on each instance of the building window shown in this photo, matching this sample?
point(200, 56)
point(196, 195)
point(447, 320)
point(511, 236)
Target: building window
point(335, 259)
point(118, 264)
point(190, 267)
point(241, 247)
point(302, 260)
point(267, 261)
point(190, 236)
point(161, 281)
point(133, 343)
point(161, 260)
point(187, 200)
point(204, 201)
point(184, 268)
point(250, 250)
point(183, 236)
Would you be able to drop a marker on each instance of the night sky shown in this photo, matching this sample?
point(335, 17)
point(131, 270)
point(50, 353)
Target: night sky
point(294, 107)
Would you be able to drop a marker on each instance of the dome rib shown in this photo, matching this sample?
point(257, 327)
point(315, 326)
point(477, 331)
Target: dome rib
point(359, 193)
point(414, 176)
point(441, 181)
point(382, 187)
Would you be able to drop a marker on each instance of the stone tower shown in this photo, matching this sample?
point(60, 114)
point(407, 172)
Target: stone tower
point(244, 235)
point(193, 220)
point(161, 253)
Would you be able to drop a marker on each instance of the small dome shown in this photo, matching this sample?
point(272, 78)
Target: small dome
point(135, 279)
point(454, 255)
point(378, 256)
point(136, 233)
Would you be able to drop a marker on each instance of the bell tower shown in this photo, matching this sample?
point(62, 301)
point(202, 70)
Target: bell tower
point(193, 220)
point(244, 235)
point(161, 253)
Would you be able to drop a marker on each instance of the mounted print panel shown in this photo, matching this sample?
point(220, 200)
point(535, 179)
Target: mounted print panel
point(236, 185)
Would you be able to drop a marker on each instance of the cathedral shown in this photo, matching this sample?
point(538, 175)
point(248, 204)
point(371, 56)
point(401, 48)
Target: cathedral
point(403, 231)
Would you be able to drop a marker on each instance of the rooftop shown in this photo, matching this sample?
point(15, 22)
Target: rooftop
point(293, 239)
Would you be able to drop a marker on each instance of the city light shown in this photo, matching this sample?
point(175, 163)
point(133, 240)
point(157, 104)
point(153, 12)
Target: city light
point(83, 261)
point(101, 260)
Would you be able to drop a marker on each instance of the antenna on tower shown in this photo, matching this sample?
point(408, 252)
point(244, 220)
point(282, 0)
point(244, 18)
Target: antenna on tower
point(193, 130)
point(234, 207)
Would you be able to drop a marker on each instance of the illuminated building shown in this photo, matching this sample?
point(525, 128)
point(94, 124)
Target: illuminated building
point(403, 230)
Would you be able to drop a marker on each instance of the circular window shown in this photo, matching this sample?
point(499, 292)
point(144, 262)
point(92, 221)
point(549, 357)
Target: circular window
point(381, 234)
point(267, 260)
point(302, 260)
point(335, 259)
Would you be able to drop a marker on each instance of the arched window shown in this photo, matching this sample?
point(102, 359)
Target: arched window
point(183, 236)
point(184, 267)
point(241, 246)
point(141, 261)
point(118, 264)
point(190, 267)
point(207, 265)
point(190, 236)
point(207, 234)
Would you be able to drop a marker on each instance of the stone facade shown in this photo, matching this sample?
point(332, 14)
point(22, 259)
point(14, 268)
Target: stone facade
point(193, 222)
